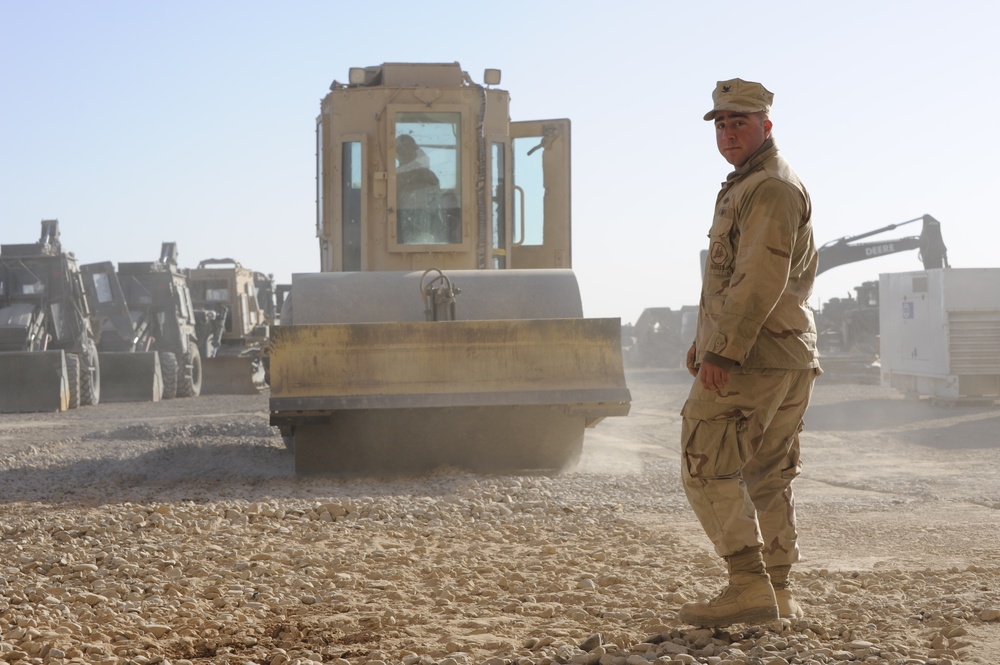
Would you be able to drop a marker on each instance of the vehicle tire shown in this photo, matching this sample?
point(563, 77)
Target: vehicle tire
point(73, 376)
point(168, 368)
point(189, 378)
point(90, 378)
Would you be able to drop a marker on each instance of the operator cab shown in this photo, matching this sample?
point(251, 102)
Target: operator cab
point(419, 167)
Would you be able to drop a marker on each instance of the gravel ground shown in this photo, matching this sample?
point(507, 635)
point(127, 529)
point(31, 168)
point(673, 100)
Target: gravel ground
point(177, 533)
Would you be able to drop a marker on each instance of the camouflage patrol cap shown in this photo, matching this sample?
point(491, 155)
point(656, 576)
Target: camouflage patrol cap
point(740, 95)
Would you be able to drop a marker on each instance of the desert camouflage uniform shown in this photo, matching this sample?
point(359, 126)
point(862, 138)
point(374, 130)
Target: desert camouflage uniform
point(741, 444)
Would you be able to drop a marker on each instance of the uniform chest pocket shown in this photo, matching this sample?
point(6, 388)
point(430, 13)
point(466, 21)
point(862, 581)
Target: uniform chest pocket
point(721, 253)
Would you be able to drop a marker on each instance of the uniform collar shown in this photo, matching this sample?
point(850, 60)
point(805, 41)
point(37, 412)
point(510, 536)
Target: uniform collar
point(767, 150)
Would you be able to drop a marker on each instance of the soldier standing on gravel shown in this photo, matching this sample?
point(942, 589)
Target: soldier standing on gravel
point(755, 360)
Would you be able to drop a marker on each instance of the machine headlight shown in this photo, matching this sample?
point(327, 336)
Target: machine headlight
point(356, 75)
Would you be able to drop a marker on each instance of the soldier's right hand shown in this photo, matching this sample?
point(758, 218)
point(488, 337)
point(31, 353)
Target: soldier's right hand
point(689, 361)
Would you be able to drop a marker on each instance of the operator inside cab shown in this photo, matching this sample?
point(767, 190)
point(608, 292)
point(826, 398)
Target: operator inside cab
point(427, 209)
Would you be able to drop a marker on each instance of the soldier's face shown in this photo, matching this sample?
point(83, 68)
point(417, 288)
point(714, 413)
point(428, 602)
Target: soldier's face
point(406, 151)
point(740, 135)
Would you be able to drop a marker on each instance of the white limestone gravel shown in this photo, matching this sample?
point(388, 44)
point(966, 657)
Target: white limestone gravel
point(177, 533)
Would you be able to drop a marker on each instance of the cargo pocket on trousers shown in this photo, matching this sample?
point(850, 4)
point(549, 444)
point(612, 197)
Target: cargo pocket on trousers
point(716, 444)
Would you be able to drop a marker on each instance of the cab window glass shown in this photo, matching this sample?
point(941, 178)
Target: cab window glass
point(102, 287)
point(499, 206)
point(351, 213)
point(529, 200)
point(25, 281)
point(428, 178)
point(217, 290)
point(320, 180)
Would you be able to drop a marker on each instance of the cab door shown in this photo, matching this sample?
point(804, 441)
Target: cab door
point(540, 233)
point(105, 297)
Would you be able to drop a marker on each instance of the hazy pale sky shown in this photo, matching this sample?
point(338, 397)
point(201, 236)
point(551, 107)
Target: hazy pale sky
point(139, 122)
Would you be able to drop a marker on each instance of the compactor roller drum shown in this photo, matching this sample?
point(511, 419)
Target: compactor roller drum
point(446, 326)
point(523, 439)
point(399, 394)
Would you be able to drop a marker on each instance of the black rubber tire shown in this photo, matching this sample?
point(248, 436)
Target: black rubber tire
point(73, 375)
point(90, 378)
point(189, 379)
point(168, 368)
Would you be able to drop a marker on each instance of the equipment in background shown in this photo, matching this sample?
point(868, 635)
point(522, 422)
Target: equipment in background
point(156, 329)
point(48, 351)
point(933, 253)
point(660, 337)
point(130, 368)
point(234, 310)
point(941, 333)
point(851, 325)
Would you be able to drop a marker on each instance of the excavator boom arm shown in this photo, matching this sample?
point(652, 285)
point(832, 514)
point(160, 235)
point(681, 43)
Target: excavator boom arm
point(846, 250)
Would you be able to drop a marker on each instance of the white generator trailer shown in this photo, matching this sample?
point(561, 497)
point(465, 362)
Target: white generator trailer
point(940, 333)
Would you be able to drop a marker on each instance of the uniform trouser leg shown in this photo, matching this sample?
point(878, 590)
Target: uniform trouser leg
point(740, 454)
point(769, 473)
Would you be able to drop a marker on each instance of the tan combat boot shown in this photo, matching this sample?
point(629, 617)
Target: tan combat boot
point(787, 607)
point(748, 598)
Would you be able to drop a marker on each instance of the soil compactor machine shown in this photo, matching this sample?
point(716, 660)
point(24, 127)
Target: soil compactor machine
point(157, 336)
point(48, 351)
point(232, 324)
point(446, 326)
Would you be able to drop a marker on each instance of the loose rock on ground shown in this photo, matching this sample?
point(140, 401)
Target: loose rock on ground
point(176, 532)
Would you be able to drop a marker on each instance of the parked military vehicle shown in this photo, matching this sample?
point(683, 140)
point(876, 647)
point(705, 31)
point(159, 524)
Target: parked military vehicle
point(446, 324)
point(159, 330)
point(234, 309)
point(661, 337)
point(48, 351)
point(850, 325)
point(130, 368)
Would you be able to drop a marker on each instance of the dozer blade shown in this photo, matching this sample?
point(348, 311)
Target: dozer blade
point(131, 377)
point(33, 382)
point(231, 375)
point(491, 395)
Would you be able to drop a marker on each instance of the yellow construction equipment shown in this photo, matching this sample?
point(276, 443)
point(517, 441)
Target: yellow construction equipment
point(446, 326)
